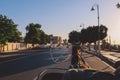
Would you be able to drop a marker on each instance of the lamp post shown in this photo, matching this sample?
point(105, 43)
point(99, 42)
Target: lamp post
point(82, 25)
point(92, 9)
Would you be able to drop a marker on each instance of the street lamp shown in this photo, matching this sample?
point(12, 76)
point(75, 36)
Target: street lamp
point(82, 25)
point(92, 9)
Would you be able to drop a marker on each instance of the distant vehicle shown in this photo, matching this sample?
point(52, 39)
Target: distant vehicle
point(44, 46)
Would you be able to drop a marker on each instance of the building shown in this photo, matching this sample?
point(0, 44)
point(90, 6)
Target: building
point(55, 39)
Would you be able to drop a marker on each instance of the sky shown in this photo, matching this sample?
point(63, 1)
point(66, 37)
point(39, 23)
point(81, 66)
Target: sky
point(59, 17)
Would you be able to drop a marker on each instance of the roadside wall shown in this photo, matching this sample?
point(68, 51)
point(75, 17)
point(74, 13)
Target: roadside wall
point(9, 47)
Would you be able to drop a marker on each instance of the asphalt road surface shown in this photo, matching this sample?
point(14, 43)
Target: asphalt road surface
point(28, 67)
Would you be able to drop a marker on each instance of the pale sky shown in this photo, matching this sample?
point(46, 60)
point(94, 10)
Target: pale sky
point(59, 17)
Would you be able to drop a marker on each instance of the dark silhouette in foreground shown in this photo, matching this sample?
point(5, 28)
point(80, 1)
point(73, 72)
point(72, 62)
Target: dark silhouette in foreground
point(77, 61)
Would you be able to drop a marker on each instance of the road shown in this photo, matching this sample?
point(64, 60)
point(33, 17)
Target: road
point(28, 67)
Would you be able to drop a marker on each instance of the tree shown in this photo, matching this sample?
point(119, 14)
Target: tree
point(74, 37)
point(33, 33)
point(103, 32)
point(16, 37)
point(83, 36)
point(44, 38)
point(93, 34)
point(8, 31)
point(88, 35)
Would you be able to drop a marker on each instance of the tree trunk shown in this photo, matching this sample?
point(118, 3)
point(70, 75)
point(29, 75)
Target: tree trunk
point(0, 49)
point(33, 45)
point(95, 46)
point(89, 46)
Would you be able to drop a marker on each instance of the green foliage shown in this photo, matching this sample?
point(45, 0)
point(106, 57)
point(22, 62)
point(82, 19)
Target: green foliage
point(44, 38)
point(89, 35)
point(33, 33)
point(103, 32)
point(8, 31)
point(36, 36)
point(93, 34)
point(16, 37)
point(74, 37)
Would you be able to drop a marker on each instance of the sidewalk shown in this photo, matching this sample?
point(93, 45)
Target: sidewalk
point(96, 63)
point(109, 57)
